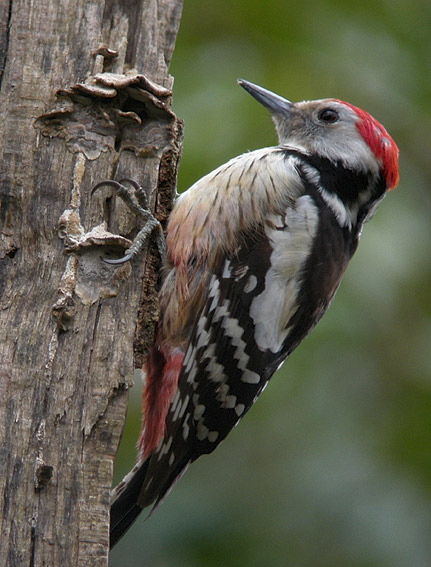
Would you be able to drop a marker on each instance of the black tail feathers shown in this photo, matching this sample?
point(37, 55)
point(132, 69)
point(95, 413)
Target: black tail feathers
point(125, 508)
point(147, 484)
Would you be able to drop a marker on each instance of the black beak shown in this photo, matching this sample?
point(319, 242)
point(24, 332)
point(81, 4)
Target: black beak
point(274, 103)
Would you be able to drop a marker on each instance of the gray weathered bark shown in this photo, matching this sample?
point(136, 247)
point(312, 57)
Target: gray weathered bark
point(71, 326)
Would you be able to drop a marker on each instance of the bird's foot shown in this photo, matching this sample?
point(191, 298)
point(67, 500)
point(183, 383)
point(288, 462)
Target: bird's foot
point(135, 198)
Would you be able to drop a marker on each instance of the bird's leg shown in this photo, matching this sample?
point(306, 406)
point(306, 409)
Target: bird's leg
point(136, 199)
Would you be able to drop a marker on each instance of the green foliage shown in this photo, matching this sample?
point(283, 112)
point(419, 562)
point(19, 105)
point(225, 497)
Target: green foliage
point(332, 467)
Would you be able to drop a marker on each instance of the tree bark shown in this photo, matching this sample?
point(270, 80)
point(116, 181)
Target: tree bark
point(71, 326)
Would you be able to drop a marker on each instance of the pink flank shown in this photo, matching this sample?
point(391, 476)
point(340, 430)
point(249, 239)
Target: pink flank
point(162, 372)
point(380, 143)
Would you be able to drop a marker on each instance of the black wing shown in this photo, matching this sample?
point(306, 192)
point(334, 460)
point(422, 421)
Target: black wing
point(259, 306)
point(224, 368)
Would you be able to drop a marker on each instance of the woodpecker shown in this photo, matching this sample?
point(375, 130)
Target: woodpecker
point(255, 253)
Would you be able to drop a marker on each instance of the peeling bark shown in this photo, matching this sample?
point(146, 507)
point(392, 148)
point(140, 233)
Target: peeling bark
point(85, 96)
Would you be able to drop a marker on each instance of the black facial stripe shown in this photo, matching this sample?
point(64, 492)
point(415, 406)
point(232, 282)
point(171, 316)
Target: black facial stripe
point(338, 180)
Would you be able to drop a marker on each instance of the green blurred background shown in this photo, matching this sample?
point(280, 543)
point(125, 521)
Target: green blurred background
point(332, 467)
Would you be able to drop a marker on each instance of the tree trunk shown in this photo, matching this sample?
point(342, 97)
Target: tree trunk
point(71, 326)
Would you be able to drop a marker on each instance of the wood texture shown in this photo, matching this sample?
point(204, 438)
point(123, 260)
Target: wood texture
point(71, 326)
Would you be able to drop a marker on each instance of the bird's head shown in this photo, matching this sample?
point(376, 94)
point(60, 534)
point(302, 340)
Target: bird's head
point(332, 129)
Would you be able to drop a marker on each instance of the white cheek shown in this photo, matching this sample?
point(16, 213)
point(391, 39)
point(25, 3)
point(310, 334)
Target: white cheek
point(347, 146)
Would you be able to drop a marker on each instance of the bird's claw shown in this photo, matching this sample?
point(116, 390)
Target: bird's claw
point(137, 202)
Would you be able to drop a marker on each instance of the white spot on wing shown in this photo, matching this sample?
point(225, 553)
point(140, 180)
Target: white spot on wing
point(199, 411)
point(181, 408)
point(216, 370)
point(272, 309)
point(186, 428)
point(203, 336)
point(214, 293)
point(165, 448)
point(251, 284)
point(222, 391)
point(175, 401)
point(212, 436)
point(189, 358)
point(239, 409)
point(229, 402)
point(227, 272)
point(202, 433)
point(250, 377)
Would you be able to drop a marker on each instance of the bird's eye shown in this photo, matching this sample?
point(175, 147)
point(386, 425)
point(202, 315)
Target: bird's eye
point(328, 115)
